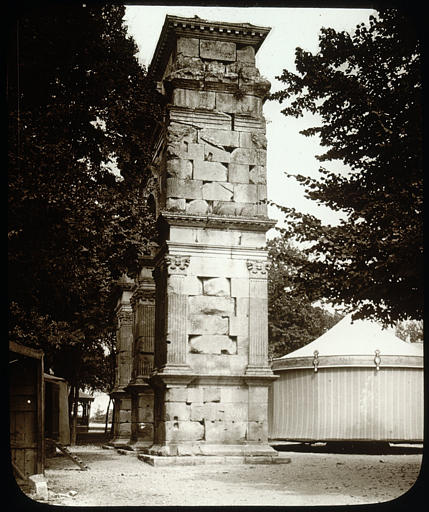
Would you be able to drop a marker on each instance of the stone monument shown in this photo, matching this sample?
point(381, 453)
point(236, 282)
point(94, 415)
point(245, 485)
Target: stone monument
point(210, 373)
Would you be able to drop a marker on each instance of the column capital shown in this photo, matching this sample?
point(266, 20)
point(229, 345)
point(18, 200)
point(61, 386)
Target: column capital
point(258, 269)
point(177, 264)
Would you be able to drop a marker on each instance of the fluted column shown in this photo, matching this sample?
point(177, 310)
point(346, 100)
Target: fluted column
point(258, 317)
point(172, 338)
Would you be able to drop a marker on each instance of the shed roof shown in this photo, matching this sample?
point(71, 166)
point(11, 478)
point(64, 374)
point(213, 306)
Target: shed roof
point(355, 338)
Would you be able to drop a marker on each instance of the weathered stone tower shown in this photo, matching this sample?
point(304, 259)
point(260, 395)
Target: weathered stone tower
point(193, 374)
point(211, 373)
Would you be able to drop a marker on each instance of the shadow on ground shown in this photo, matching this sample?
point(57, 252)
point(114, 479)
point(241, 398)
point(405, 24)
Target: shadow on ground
point(368, 448)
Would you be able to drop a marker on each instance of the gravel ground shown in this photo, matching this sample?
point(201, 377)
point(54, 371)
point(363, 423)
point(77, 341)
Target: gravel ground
point(314, 477)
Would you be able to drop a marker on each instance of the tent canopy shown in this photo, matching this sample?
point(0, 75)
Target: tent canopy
point(360, 337)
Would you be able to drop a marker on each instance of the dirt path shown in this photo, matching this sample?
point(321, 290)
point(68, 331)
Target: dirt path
point(310, 479)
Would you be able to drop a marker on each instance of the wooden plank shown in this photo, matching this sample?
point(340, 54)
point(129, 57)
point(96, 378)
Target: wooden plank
point(30, 458)
point(26, 351)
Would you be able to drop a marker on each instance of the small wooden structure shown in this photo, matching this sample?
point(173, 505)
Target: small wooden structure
point(357, 382)
point(26, 399)
point(57, 425)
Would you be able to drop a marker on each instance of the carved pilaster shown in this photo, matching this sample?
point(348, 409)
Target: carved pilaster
point(177, 310)
point(258, 317)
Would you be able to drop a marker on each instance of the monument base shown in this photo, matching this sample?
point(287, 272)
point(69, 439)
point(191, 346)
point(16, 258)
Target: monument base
point(200, 460)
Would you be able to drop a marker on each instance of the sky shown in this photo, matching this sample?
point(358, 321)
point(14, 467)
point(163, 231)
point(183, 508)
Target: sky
point(288, 150)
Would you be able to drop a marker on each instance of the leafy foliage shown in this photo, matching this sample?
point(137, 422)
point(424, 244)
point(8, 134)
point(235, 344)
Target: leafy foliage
point(293, 318)
point(366, 88)
point(81, 116)
point(410, 330)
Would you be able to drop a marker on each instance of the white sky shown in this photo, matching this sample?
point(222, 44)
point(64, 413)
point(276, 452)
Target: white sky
point(288, 151)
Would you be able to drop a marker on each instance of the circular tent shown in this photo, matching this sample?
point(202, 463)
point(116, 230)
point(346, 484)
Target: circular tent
point(357, 382)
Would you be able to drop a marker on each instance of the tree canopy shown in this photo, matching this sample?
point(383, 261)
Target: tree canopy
point(294, 316)
point(366, 89)
point(81, 115)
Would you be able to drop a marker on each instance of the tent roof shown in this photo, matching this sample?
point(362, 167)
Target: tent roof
point(360, 337)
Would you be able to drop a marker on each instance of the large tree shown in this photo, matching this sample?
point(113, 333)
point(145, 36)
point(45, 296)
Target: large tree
point(366, 89)
point(295, 316)
point(81, 115)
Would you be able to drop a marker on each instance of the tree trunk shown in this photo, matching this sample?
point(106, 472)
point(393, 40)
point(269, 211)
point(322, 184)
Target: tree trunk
point(73, 423)
point(107, 416)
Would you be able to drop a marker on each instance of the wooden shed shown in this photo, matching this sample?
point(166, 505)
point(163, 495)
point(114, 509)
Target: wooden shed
point(56, 409)
point(357, 382)
point(26, 406)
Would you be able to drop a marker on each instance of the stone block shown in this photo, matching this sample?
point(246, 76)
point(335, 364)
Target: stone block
point(191, 286)
point(212, 344)
point(257, 174)
point(38, 485)
point(246, 140)
point(219, 266)
point(246, 54)
point(259, 140)
point(238, 173)
point(217, 191)
point(182, 234)
point(187, 67)
point(224, 208)
point(244, 156)
point(246, 209)
point(181, 132)
point(238, 326)
point(249, 105)
point(239, 287)
point(257, 431)
point(218, 236)
point(236, 411)
point(211, 305)
point(197, 207)
point(225, 432)
point(219, 286)
point(253, 239)
point(175, 205)
point(218, 50)
point(188, 46)
point(235, 395)
point(262, 192)
point(214, 67)
point(195, 395)
point(258, 411)
point(176, 394)
point(179, 168)
point(258, 394)
point(222, 138)
point(125, 404)
point(124, 429)
point(211, 394)
point(214, 154)
point(187, 189)
point(242, 306)
point(207, 324)
point(176, 411)
point(210, 171)
point(195, 151)
point(145, 413)
point(194, 99)
point(145, 431)
point(239, 362)
point(183, 431)
point(245, 193)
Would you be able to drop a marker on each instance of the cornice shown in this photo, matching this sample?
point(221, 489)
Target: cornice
point(218, 221)
point(175, 26)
